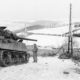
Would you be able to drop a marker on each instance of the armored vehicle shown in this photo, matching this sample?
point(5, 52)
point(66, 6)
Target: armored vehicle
point(12, 49)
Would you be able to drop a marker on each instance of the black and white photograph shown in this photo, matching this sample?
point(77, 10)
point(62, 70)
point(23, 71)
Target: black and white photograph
point(39, 39)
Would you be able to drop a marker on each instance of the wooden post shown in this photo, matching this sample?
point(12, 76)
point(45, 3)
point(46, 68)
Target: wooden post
point(70, 38)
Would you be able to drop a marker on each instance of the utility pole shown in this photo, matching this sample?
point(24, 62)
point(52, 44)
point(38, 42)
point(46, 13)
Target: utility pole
point(70, 38)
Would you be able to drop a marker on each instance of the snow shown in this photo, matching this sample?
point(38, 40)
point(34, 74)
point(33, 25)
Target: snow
point(47, 68)
point(55, 41)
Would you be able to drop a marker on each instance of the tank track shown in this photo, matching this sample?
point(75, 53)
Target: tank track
point(10, 57)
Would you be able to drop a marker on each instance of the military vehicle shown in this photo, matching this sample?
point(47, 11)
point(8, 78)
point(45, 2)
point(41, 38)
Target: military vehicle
point(12, 50)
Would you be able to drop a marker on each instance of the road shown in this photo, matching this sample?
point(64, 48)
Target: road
point(47, 68)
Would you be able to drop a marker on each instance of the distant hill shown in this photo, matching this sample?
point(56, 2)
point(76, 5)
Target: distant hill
point(46, 23)
point(38, 25)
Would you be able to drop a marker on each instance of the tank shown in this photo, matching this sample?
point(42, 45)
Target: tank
point(12, 49)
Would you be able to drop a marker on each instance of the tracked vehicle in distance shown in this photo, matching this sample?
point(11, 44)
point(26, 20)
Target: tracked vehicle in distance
point(12, 50)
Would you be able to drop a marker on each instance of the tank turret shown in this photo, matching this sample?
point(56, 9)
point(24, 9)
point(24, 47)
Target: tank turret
point(12, 36)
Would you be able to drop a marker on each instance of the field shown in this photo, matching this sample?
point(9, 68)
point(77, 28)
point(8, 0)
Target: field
point(47, 68)
point(51, 51)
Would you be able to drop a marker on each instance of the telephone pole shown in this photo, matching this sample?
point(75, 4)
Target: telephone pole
point(70, 38)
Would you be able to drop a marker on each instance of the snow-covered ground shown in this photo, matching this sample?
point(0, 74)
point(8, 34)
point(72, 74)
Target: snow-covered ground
point(49, 68)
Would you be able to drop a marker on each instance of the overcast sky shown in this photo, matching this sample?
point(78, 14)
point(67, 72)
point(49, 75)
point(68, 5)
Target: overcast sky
point(24, 10)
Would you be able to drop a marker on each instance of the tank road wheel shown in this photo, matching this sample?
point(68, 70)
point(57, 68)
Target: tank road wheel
point(27, 56)
point(16, 60)
point(5, 58)
point(1, 59)
point(13, 58)
point(22, 58)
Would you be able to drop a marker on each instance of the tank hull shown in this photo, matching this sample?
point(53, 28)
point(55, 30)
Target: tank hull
point(13, 54)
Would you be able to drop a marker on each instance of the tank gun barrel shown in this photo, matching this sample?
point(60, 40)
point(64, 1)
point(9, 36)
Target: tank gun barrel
point(27, 39)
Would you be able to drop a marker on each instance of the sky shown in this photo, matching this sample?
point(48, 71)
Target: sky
point(28, 10)
point(32, 10)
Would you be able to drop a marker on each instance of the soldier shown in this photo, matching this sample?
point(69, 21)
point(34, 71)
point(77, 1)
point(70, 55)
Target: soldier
point(35, 49)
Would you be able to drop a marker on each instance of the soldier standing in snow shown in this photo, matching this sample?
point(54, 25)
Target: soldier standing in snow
point(35, 49)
